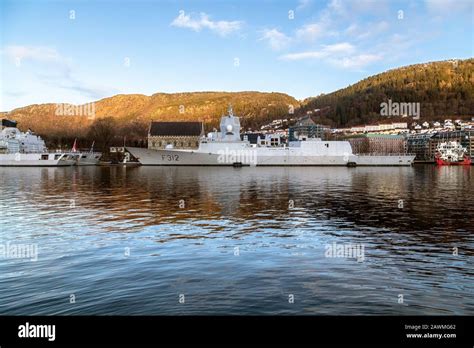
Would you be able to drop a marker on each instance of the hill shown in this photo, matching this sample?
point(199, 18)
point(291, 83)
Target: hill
point(443, 89)
point(132, 113)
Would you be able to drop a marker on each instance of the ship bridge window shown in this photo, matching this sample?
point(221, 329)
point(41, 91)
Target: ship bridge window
point(44, 157)
point(56, 157)
point(327, 145)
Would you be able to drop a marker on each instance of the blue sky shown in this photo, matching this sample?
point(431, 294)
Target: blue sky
point(81, 51)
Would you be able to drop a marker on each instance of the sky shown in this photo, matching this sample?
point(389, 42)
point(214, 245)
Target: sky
point(82, 51)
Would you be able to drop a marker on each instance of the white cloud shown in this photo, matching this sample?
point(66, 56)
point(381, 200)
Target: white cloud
point(310, 32)
point(355, 62)
point(342, 55)
point(336, 6)
point(275, 38)
point(302, 4)
point(34, 53)
point(51, 68)
point(303, 55)
point(222, 28)
point(449, 6)
point(349, 7)
point(359, 32)
point(338, 49)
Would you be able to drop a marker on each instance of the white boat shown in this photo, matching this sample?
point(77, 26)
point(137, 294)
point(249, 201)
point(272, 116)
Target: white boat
point(451, 153)
point(89, 158)
point(225, 148)
point(25, 149)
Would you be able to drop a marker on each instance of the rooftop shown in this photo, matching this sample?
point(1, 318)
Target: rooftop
point(176, 129)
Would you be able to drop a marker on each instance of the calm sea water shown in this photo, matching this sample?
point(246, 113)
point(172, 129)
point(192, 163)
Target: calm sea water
point(191, 240)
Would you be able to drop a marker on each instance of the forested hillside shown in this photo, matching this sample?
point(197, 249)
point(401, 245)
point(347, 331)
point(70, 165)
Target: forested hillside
point(442, 88)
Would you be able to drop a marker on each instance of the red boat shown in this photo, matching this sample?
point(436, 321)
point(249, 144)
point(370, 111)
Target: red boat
point(465, 162)
point(451, 153)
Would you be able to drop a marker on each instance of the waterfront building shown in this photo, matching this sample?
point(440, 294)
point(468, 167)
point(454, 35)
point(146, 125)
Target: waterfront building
point(424, 145)
point(177, 135)
point(385, 128)
point(378, 144)
point(419, 145)
point(306, 128)
point(465, 138)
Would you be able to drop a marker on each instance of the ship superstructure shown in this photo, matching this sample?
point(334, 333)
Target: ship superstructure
point(225, 148)
point(451, 153)
point(24, 149)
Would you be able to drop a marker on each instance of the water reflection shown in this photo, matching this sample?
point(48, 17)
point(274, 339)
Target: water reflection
point(240, 239)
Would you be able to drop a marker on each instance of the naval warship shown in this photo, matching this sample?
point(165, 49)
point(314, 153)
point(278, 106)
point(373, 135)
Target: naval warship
point(226, 148)
point(26, 149)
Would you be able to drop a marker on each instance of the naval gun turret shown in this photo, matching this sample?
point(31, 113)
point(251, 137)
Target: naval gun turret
point(230, 126)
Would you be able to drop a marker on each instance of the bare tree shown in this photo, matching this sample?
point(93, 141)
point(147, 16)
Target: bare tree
point(103, 131)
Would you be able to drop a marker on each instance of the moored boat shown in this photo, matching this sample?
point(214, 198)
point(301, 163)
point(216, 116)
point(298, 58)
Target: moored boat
point(225, 148)
point(451, 153)
point(89, 158)
point(25, 149)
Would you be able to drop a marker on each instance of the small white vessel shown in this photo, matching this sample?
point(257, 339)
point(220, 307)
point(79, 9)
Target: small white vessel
point(25, 149)
point(225, 148)
point(90, 158)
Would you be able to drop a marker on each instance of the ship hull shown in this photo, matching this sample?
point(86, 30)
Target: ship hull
point(385, 160)
point(36, 160)
point(88, 159)
point(465, 162)
point(193, 158)
point(261, 157)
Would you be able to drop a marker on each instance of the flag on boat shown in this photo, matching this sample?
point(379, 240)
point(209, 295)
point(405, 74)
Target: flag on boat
point(74, 146)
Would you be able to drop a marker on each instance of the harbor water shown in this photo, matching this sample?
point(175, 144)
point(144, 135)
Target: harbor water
point(239, 241)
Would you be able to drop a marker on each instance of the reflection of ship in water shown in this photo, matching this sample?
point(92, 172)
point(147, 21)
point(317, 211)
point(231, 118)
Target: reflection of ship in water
point(375, 200)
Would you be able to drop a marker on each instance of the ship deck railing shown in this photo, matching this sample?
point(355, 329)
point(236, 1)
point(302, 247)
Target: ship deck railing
point(385, 154)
